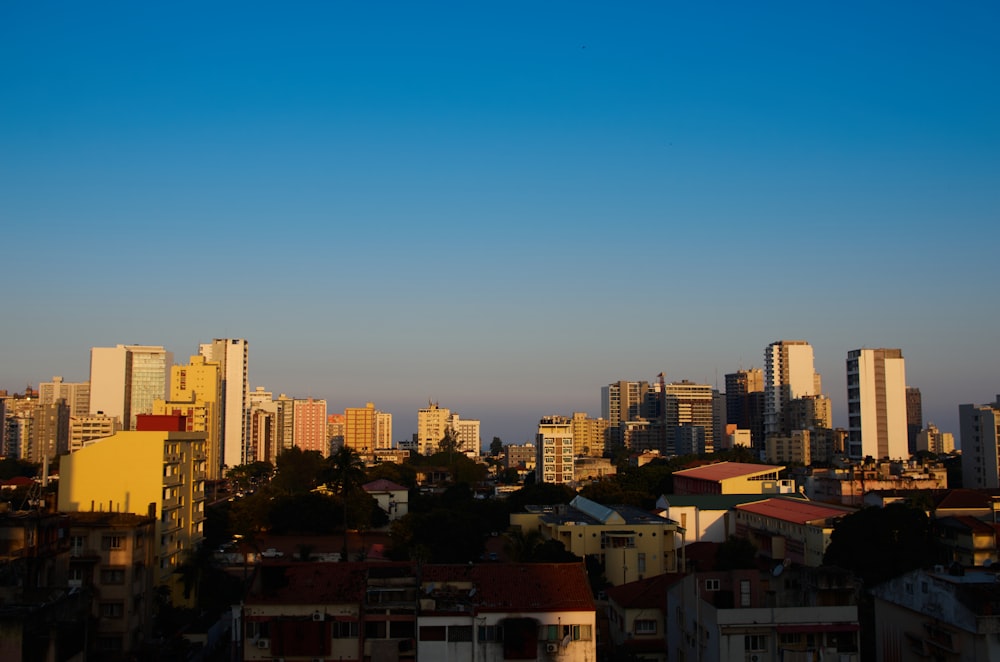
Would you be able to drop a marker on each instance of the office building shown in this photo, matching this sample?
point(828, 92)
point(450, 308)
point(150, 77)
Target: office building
point(466, 434)
point(979, 427)
point(49, 432)
point(233, 357)
point(745, 402)
point(788, 374)
point(689, 404)
point(624, 401)
point(336, 429)
point(125, 380)
point(876, 404)
point(76, 395)
point(196, 393)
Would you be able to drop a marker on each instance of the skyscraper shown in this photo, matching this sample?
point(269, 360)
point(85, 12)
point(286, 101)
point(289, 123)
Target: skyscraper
point(745, 403)
point(310, 425)
point(689, 404)
point(624, 401)
point(196, 393)
point(432, 424)
point(360, 426)
point(788, 374)
point(876, 404)
point(233, 356)
point(125, 380)
point(76, 395)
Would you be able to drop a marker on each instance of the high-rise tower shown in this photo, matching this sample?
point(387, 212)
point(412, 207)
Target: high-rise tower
point(233, 356)
point(125, 380)
point(979, 426)
point(876, 404)
point(788, 374)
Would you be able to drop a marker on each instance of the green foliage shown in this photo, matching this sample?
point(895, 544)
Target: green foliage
point(297, 471)
point(309, 513)
point(736, 554)
point(541, 494)
point(246, 477)
point(401, 474)
point(11, 467)
point(496, 447)
point(611, 492)
point(878, 544)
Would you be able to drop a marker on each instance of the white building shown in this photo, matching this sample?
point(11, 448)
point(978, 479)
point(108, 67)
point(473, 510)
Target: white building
point(432, 425)
point(876, 404)
point(125, 380)
point(788, 374)
point(233, 356)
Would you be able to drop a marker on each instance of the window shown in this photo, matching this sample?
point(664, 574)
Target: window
point(344, 630)
point(790, 639)
point(755, 642)
point(460, 633)
point(112, 609)
point(645, 626)
point(375, 630)
point(432, 633)
point(113, 576)
point(641, 558)
point(489, 633)
point(745, 593)
point(711, 584)
point(112, 542)
point(576, 632)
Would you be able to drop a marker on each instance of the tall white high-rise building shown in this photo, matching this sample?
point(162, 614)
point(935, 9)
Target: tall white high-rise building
point(125, 380)
point(788, 374)
point(432, 425)
point(876, 404)
point(233, 355)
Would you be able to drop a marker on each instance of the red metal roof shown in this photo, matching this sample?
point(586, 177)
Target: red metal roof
point(726, 470)
point(792, 510)
point(383, 485)
point(520, 586)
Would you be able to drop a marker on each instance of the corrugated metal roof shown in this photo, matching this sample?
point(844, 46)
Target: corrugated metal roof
point(727, 470)
point(790, 510)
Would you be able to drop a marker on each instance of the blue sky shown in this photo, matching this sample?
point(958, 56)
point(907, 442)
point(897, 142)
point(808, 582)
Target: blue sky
point(502, 206)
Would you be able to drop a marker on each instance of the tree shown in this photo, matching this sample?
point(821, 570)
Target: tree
point(878, 544)
point(345, 474)
point(736, 554)
point(297, 471)
point(496, 447)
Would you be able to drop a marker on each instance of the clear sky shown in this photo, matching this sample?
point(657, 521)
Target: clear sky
point(502, 206)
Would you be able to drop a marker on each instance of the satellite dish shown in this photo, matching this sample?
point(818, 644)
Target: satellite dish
point(778, 569)
point(987, 563)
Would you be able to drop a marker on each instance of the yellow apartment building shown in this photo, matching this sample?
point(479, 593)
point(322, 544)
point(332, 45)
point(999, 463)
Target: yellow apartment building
point(147, 473)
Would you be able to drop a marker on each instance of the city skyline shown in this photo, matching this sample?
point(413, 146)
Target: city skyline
point(502, 209)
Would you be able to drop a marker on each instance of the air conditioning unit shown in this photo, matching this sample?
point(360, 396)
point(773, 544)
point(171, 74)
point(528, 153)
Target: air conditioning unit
point(754, 658)
point(263, 643)
point(319, 616)
point(551, 648)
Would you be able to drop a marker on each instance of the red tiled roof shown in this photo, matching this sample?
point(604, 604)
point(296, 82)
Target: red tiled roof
point(650, 592)
point(316, 583)
point(521, 586)
point(383, 485)
point(18, 481)
point(791, 510)
point(962, 499)
point(725, 470)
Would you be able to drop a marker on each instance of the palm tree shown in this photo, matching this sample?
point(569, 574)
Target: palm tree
point(346, 472)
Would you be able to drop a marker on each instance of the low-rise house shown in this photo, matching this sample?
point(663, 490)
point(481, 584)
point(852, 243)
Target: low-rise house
point(732, 478)
point(491, 612)
point(629, 542)
point(392, 498)
point(402, 611)
point(637, 617)
point(789, 529)
point(788, 614)
point(938, 616)
point(703, 517)
point(967, 541)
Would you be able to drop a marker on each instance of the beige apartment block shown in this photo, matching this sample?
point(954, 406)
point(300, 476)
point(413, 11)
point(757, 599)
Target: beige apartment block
point(876, 404)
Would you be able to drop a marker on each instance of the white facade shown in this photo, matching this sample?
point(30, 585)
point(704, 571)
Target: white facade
point(788, 374)
point(554, 444)
point(876, 404)
point(233, 355)
point(126, 380)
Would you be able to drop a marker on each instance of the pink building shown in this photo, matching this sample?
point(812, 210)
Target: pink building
point(309, 423)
